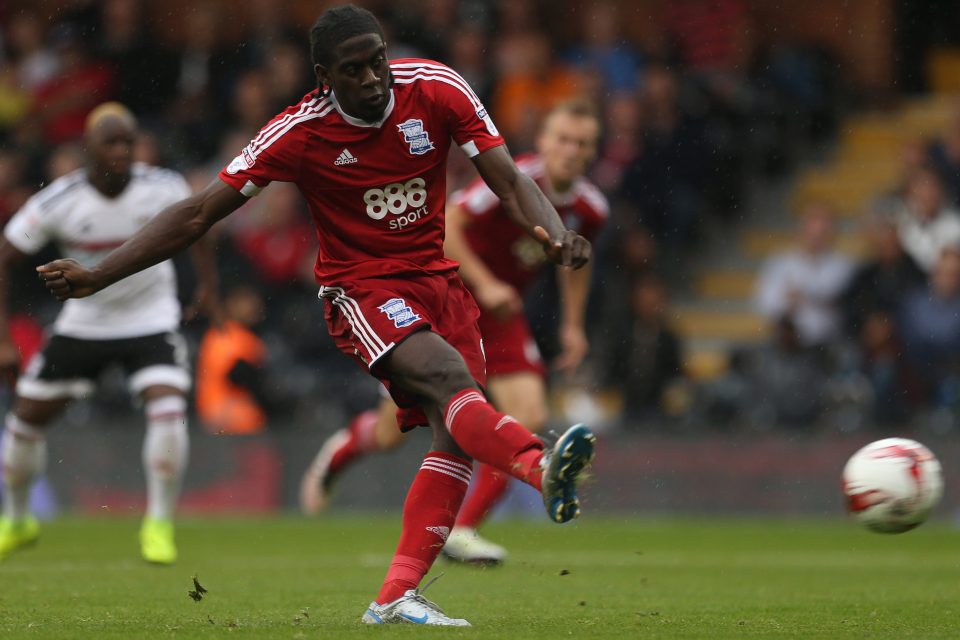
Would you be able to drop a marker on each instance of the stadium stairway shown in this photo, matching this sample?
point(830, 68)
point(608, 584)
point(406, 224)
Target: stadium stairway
point(715, 314)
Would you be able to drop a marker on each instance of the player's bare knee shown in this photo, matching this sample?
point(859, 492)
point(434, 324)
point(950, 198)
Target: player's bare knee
point(425, 364)
point(450, 380)
point(387, 439)
point(39, 413)
point(532, 416)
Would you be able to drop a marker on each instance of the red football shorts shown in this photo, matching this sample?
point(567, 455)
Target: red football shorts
point(368, 318)
point(509, 345)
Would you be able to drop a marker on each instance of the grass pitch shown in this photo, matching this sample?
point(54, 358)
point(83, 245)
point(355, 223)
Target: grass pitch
point(599, 578)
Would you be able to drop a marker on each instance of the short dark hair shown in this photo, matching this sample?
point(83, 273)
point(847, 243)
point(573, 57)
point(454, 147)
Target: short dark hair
point(337, 24)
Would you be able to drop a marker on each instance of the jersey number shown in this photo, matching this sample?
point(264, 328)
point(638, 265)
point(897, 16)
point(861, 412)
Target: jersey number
point(395, 198)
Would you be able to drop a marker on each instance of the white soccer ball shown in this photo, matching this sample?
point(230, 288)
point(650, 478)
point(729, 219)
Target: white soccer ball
point(892, 484)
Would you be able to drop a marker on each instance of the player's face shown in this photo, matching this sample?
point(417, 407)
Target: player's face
point(110, 146)
point(567, 145)
point(360, 76)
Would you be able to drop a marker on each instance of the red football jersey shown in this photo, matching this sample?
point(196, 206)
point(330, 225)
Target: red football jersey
point(377, 190)
point(511, 254)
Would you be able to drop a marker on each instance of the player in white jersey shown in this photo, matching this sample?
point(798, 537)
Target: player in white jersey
point(132, 323)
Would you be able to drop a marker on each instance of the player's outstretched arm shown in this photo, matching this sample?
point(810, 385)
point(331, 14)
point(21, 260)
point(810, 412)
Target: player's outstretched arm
point(574, 287)
point(206, 295)
point(492, 294)
point(172, 230)
point(528, 207)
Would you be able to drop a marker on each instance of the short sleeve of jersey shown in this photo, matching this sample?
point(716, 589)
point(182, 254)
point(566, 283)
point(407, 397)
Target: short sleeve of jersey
point(175, 188)
point(180, 187)
point(273, 155)
point(476, 199)
point(599, 211)
point(471, 126)
point(30, 228)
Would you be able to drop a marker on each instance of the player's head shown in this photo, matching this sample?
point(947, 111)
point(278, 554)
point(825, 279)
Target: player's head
point(110, 134)
point(350, 58)
point(567, 141)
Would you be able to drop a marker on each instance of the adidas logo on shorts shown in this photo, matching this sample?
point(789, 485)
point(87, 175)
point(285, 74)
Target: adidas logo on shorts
point(345, 157)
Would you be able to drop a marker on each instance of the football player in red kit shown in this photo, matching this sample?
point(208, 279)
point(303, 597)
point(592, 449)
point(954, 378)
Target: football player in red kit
point(368, 151)
point(498, 262)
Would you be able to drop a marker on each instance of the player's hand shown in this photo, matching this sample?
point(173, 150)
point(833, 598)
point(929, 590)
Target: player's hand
point(206, 302)
point(68, 279)
point(569, 250)
point(574, 347)
point(498, 298)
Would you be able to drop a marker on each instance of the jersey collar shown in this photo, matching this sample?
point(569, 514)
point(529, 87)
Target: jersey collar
point(357, 122)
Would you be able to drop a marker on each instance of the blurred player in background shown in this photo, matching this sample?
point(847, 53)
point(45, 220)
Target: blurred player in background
point(498, 262)
point(134, 323)
point(368, 150)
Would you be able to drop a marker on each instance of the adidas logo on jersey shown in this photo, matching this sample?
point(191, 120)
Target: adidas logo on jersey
point(443, 532)
point(345, 157)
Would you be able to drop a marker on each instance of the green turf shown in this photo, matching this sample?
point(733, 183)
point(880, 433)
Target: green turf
point(623, 578)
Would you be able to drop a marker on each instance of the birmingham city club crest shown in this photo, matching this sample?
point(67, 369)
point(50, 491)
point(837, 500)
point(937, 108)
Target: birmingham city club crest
point(415, 136)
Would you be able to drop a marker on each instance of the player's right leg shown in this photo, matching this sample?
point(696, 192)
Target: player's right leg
point(369, 432)
point(426, 365)
point(24, 459)
point(158, 373)
point(62, 371)
point(522, 395)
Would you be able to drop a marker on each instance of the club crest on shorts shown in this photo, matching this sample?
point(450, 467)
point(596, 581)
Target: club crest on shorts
point(398, 311)
point(415, 136)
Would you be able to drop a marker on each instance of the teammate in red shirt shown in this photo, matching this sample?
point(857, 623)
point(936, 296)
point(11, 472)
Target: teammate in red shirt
point(368, 152)
point(498, 262)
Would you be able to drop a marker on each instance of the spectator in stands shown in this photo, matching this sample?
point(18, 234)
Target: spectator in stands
point(530, 79)
point(252, 103)
point(930, 326)
point(63, 103)
point(871, 304)
point(944, 154)
point(604, 52)
point(145, 73)
point(13, 189)
point(787, 380)
point(926, 222)
point(664, 183)
point(201, 69)
point(647, 359)
point(231, 386)
point(879, 284)
point(469, 55)
point(276, 238)
point(712, 40)
point(34, 62)
point(288, 71)
point(268, 30)
point(804, 285)
point(621, 141)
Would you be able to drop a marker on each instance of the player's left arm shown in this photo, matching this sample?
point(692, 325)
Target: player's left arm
point(206, 294)
point(529, 208)
point(574, 286)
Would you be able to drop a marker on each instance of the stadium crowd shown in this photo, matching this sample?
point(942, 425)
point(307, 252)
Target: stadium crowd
point(689, 124)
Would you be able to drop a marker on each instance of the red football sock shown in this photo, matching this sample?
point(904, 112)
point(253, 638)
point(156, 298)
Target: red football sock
point(361, 441)
point(489, 487)
point(428, 513)
point(492, 437)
